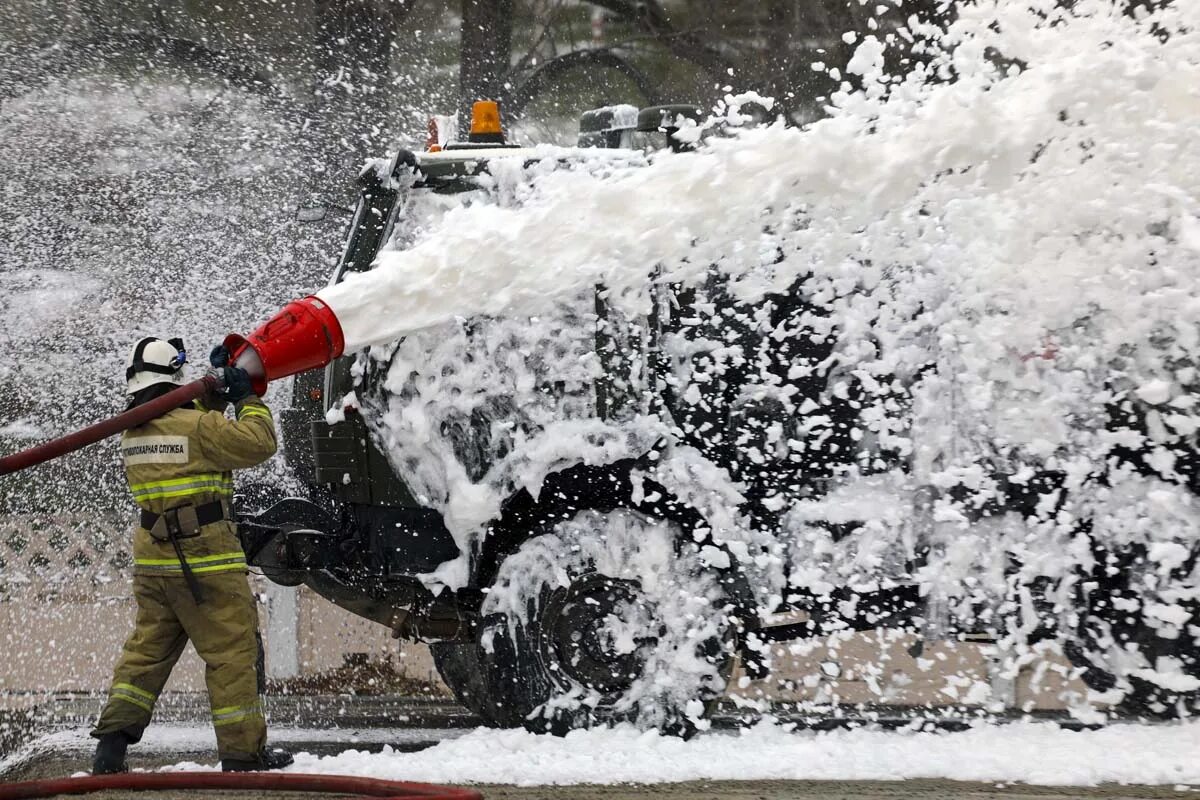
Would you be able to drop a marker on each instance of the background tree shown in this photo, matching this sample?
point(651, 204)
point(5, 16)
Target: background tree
point(698, 47)
point(485, 51)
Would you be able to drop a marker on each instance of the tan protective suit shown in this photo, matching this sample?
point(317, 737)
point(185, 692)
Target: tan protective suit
point(183, 461)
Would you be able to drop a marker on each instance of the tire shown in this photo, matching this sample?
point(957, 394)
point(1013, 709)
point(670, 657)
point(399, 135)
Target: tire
point(609, 616)
point(1138, 646)
point(461, 666)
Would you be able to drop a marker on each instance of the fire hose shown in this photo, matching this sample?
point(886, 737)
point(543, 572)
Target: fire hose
point(236, 781)
point(113, 425)
point(304, 335)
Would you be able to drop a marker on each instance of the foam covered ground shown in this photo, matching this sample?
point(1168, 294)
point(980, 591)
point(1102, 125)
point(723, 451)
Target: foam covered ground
point(1034, 753)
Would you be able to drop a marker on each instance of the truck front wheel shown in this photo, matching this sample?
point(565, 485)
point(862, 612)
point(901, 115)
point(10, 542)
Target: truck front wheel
point(608, 616)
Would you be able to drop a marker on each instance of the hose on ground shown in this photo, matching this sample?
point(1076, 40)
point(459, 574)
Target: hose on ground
point(235, 781)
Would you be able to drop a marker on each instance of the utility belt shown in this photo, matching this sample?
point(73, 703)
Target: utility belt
point(184, 522)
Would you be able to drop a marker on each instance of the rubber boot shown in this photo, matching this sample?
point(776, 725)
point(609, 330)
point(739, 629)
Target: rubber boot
point(110, 754)
point(268, 759)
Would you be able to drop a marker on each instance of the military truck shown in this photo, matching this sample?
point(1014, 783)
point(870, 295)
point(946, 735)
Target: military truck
point(665, 490)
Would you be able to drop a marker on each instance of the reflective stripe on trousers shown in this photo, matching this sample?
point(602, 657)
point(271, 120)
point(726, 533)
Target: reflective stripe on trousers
point(234, 714)
point(129, 693)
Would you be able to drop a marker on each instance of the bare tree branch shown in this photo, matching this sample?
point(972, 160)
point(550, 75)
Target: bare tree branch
point(526, 61)
point(652, 18)
point(543, 77)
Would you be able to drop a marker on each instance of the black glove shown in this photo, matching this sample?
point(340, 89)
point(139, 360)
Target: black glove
point(219, 357)
point(237, 384)
point(235, 379)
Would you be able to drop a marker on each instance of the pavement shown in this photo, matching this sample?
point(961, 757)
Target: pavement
point(746, 790)
point(49, 739)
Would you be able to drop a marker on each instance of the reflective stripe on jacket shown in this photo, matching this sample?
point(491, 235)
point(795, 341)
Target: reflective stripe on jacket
point(187, 456)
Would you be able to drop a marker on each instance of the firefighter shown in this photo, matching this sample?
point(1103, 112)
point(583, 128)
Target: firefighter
point(189, 576)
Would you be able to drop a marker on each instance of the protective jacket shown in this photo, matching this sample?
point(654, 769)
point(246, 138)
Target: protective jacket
point(179, 468)
point(187, 458)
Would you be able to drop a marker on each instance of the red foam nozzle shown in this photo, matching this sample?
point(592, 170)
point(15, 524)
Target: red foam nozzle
point(304, 335)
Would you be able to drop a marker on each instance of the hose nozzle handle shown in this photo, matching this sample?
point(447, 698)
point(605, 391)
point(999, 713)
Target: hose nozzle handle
point(215, 378)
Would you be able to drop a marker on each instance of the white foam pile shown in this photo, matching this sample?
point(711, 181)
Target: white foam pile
point(1026, 753)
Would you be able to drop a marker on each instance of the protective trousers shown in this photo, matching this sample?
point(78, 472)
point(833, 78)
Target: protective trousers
point(224, 631)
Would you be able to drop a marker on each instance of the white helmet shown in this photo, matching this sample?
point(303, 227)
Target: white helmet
point(155, 361)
